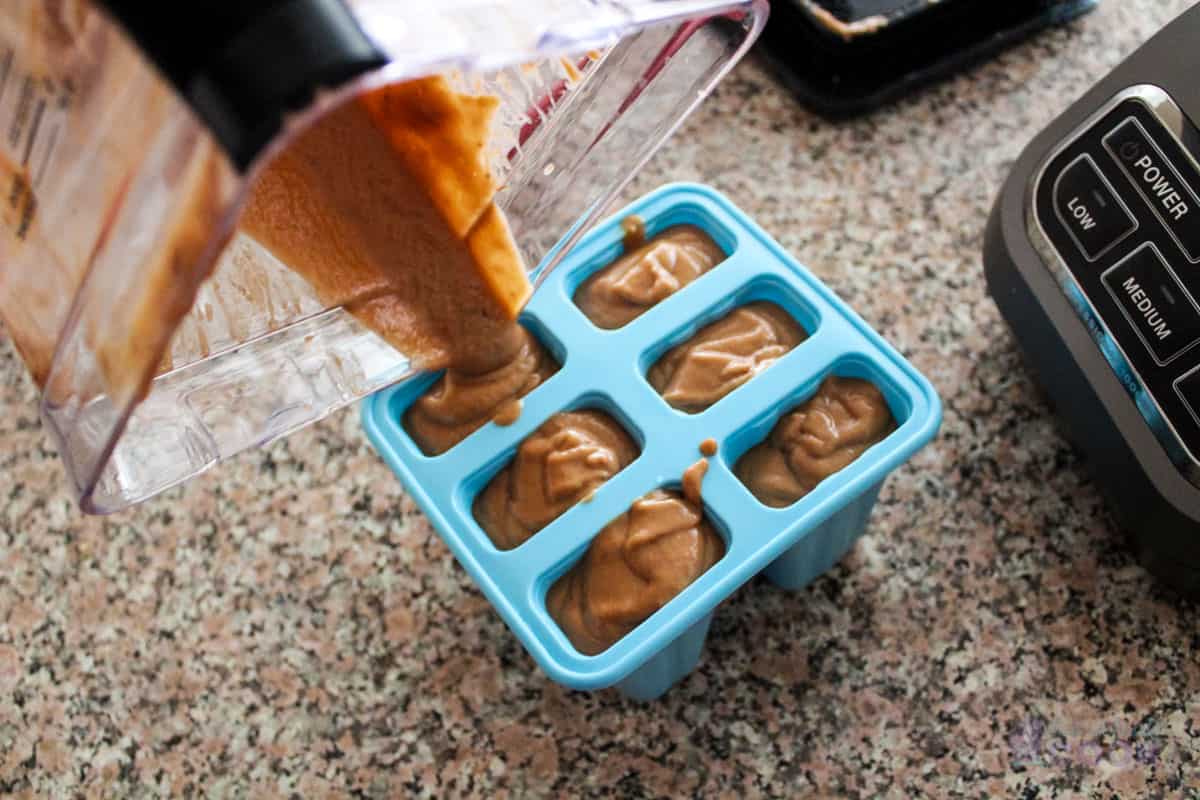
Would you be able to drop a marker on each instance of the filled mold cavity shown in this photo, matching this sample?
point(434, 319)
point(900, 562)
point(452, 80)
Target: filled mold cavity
point(564, 462)
point(460, 402)
point(633, 567)
point(728, 347)
point(839, 416)
point(655, 260)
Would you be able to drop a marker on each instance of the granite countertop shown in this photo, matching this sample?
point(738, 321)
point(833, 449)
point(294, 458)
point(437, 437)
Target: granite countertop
point(289, 625)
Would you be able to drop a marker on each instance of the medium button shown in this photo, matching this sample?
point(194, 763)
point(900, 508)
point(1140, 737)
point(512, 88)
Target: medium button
point(1089, 209)
point(1162, 312)
point(1166, 183)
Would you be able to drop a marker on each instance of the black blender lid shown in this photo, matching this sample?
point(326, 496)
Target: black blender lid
point(243, 65)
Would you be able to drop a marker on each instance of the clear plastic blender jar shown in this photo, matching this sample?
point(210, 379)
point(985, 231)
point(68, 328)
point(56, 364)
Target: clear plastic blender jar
point(127, 150)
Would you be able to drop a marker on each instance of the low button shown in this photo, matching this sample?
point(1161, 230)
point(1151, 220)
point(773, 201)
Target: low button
point(1089, 209)
point(1160, 310)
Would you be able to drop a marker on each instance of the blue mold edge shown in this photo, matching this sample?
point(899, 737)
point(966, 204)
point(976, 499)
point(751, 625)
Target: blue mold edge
point(804, 539)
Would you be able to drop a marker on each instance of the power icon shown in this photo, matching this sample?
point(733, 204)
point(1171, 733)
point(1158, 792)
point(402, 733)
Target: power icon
point(1130, 151)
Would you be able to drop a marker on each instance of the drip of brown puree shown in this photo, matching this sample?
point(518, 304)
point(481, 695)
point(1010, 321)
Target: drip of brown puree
point(508, 412)
point(633, 229)
point(693, 480)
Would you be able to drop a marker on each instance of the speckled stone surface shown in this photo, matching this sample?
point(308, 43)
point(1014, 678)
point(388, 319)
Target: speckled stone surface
point(289, 625)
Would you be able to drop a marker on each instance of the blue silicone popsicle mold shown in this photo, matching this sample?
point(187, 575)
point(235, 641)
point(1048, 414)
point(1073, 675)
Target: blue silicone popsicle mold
point(606, 370)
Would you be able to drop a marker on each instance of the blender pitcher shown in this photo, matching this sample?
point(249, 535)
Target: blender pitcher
point(163, 339)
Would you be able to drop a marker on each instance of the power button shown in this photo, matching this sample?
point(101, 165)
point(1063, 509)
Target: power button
point(1088, 207)
point(1165, 183)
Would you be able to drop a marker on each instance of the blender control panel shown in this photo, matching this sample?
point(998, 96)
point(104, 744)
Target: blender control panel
point(1120, 205)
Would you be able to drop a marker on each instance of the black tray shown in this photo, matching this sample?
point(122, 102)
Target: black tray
point(847, 57)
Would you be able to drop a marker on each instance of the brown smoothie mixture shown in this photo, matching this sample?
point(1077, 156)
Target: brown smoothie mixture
point(636, 564)
point(559, 465)
point(693, 480)
point(647, 273)
point(723, 355)
point(826, 433)
point(462, 401)
point(385, 206)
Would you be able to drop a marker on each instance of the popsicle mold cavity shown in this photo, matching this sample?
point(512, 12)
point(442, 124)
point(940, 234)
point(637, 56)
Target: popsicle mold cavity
point(723, 355)
point(826, 433)
point(647, 273)
point(636, 564)
point(462, 401)
point(566, 459)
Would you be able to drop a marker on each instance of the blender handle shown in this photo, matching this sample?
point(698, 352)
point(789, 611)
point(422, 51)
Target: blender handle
point(242, 66)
